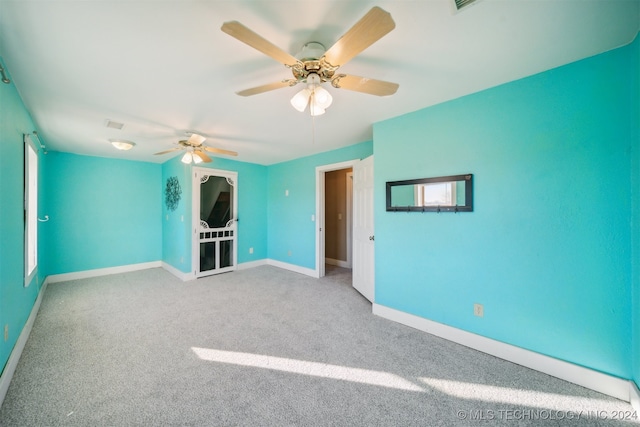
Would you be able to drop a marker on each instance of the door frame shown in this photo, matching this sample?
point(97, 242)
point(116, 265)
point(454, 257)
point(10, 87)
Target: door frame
point(349, 217)
point(320, 207)
point(195, 215)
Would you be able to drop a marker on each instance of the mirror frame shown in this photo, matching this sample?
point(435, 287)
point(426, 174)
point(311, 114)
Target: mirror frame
point(468, 194)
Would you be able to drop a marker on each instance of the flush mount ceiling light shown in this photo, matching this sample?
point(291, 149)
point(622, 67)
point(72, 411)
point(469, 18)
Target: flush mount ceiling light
point(317, 97)
point(122, 144)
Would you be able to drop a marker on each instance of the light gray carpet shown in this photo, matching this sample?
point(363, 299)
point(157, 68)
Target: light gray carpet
point(263, 347)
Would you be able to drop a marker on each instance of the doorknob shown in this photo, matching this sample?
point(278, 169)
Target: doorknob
point(371, 238)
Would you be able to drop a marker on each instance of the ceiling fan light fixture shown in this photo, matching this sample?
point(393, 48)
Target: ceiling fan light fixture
point(196, 159)
point(316, 110)
point(301, 99)
point(121, 144)
point(322, 98)
point(314, 95)
point(187, 158)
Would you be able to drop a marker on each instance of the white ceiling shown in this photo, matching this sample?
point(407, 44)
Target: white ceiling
point(165, 67)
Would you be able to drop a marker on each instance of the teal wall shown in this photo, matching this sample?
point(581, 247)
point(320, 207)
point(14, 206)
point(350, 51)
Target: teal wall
point(547, 250)
point(16, 300)
point(634, 95)
point(103, 212)
point(290, 225)
point(176, 225)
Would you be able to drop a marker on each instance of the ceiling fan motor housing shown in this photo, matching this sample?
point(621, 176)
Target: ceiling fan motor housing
point(311, 61)
point(323, 69)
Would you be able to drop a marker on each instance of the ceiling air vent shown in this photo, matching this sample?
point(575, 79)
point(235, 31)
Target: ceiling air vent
point(458, 5)
point(113, 125)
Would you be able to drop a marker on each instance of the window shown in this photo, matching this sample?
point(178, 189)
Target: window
point(436, 194)
point(30, 210)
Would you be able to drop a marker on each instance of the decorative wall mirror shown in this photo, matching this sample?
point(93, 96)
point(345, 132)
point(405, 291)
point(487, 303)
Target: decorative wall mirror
point(440, 194)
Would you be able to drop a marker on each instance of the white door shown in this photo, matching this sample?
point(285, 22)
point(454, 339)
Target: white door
point(215, 221)
point(363, 238)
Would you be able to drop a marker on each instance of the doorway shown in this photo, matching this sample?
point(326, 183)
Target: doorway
point(215, 195)
point(337, 217)
point(321, 216)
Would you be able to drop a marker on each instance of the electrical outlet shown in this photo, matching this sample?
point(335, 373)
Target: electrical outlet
point(289, 253)
point(250, 250)
point(6, 332)
point(478, 310)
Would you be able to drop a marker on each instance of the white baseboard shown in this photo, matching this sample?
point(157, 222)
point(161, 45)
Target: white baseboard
point(54, 278)
point(185, 277)
point(14, 357)
point(292, 267)
point(252, 264)
point(243, 266)
point(594, 380)
point(337, 262)
point(634, 396)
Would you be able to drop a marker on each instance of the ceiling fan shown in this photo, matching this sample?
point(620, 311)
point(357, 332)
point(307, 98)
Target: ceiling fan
point(316, 65)
point(196, 150)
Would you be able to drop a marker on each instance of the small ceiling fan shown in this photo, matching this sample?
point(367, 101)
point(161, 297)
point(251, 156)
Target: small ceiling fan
point(316, 66)
point(196, 150)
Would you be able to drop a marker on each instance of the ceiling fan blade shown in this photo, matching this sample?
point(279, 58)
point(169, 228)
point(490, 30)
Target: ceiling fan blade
point(364, 85)
point(266, 88)
point(369, 29)
point(245, 35)
point(196, 140)
point(219, 151)
point(169, 151)
point(203, 156)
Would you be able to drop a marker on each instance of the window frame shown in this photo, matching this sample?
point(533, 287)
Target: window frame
point(31, 164)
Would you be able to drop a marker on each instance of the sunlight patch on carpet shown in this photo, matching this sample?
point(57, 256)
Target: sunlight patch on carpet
point(303, 367)
point(517, 396)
